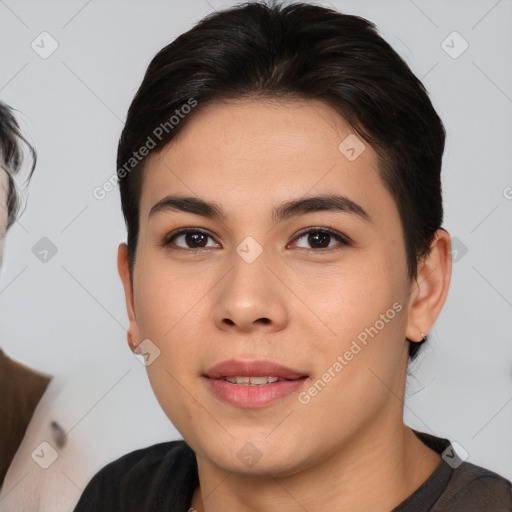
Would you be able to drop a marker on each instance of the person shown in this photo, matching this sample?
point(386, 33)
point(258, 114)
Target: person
point(36, 454)
point(279, 172)
point(21, 387)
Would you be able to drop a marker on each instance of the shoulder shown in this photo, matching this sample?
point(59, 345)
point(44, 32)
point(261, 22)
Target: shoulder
point(474, 488)
point(458, 486)
point(163, 474)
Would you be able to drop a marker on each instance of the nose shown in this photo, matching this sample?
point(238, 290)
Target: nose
point(250, 298)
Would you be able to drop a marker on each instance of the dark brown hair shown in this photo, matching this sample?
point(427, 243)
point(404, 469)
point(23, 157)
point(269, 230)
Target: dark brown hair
point(12, 143)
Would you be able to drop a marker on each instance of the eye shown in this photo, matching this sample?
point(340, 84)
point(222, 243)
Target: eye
point(189, 239)
point(320, 238)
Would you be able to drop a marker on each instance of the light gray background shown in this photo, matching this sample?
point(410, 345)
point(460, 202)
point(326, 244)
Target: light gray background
point(67, 316)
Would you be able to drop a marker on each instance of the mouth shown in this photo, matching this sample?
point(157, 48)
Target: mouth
point(253, 381)
point(252, 372)
point(253, 384)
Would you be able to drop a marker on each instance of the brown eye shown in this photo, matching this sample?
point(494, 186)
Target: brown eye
point(196, 239)
point(189, 239)
point(320, 239)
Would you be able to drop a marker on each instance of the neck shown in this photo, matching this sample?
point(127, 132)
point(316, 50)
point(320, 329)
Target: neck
point(375, 471)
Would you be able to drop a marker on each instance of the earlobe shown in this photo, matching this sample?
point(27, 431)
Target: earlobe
point(430, 287)
point(123, 267)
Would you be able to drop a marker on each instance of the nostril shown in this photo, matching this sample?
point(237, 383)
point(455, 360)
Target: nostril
point(262, 320)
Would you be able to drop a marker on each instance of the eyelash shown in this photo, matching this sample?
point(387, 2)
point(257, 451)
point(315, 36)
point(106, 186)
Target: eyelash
point(343, 240)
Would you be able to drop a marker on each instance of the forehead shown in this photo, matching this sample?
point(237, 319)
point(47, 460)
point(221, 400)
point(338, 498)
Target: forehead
point(244, 131)
point(257, 152)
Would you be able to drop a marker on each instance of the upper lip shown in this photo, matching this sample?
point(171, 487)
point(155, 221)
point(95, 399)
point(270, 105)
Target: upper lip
point(237, 368)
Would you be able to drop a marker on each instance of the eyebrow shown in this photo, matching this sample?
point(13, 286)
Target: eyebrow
point(302, 206)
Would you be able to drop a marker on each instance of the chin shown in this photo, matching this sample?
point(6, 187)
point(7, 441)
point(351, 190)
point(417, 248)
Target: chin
point(254, 455)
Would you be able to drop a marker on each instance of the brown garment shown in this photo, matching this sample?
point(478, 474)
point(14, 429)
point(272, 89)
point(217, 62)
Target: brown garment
point(20, 391)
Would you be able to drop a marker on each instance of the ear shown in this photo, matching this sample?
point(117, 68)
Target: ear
point(430, 287)
point(123, 268)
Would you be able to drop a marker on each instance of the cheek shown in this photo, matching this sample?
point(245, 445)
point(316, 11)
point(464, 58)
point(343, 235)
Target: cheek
point(171, 313)
point(168, 320)
point(165, 299)
point(359, 375)
point(364, 312)
point(346, 299)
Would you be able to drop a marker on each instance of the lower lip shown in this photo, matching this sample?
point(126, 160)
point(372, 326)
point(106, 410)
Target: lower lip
point(253, 396)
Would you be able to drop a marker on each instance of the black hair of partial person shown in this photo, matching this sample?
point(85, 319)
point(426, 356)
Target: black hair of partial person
point(12, 142)
point(270, 50)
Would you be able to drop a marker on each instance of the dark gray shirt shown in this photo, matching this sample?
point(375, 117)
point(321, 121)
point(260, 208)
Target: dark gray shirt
point(164, 477)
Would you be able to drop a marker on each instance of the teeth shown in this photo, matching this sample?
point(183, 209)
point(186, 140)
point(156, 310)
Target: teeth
point(252, 381)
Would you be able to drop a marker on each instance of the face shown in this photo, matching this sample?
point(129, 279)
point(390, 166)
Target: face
point(320, 289)
point(4, 188)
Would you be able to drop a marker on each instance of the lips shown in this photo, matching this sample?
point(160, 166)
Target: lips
point(235, 368)
point(253, 384)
